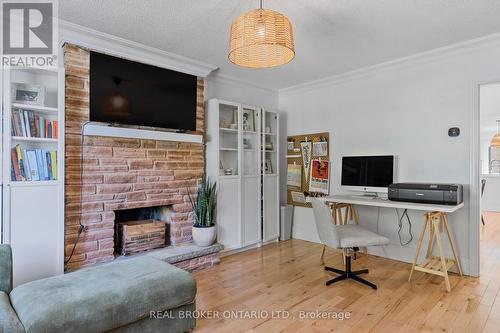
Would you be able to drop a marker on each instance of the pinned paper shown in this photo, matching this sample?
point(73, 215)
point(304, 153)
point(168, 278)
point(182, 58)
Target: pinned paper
point(294, 176)
point(306, 148)
point(319, 181)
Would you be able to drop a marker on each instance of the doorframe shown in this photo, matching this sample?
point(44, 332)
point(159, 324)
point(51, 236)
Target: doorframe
point(475, 175)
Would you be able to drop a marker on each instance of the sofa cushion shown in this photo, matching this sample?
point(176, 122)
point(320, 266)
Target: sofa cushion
point(5, 268)
point(9, 323)
point(102, 298)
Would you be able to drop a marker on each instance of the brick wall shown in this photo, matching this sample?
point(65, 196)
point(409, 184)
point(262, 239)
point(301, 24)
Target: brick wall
point(119, 173)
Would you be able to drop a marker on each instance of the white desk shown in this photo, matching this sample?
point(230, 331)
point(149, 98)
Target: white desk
point(377, 202)
point(435, 220)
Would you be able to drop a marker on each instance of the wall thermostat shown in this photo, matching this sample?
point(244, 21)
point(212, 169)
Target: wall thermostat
point(454, 132)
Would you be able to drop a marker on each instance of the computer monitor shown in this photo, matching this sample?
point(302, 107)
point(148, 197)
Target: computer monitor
point(368, 173)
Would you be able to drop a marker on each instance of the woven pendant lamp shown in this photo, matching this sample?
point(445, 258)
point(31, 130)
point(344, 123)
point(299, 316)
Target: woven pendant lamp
point(495, 141)
point(261, 38)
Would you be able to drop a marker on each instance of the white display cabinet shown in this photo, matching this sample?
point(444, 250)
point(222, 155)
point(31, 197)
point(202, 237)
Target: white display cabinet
point(33, 171)
point(270, 175)
point(234, 159)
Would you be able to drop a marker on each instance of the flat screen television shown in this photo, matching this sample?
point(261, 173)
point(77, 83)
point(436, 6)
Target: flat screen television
point(368, 173)
point(132, 93)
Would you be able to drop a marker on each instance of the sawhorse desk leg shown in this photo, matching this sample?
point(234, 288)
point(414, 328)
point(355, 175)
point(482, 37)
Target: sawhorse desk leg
point(438, 265)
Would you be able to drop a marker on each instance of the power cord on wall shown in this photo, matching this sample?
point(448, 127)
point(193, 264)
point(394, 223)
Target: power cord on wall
point(400, 226)
point(81, 227)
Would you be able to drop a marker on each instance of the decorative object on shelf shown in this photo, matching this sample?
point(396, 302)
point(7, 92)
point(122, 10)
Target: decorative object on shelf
point(495, 141)
point(27, 94)
point(320, 149)
point(267, 130)
point(223, 123)
point(246, 143)
point(248, 120)
point(290, 145)
point(204, 207)
point(228, 172)
point(294, 176)
point(268, 145)
point(233, 126)
point(268, 166)
point(261, 38)
point(319, 180)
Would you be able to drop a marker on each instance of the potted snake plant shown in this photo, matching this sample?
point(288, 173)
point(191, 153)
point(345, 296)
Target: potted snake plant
point(204, 206)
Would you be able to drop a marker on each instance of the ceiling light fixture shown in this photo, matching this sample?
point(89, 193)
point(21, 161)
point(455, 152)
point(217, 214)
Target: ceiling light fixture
point(495, 141)
point(261, 38)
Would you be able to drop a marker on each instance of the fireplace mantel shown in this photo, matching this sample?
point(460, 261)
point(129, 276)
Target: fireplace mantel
point(135, 133)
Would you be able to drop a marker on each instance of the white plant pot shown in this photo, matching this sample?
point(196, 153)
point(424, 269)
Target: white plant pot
point(204, 236)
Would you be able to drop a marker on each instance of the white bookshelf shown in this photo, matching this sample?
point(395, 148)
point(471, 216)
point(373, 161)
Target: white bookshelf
point(234, 154)
point(33, 210)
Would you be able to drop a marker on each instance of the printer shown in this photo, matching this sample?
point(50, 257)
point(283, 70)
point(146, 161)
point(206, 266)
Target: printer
point(441, 194)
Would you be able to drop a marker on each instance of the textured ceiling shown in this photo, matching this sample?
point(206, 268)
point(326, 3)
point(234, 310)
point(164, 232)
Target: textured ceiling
point(331, 36)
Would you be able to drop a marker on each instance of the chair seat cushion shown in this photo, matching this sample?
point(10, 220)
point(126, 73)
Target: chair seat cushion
point(353, 235)
point(102, 298)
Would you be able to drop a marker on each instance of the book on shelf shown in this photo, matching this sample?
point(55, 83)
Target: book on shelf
point(33, 164)
point(29, 124)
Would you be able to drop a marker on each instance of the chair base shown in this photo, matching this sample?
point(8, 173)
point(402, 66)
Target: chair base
point(348, 274)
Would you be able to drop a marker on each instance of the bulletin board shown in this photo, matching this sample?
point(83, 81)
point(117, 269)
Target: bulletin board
point(318, 145)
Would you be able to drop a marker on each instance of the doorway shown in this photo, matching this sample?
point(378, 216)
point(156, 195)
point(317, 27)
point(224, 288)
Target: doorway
point(489, 173)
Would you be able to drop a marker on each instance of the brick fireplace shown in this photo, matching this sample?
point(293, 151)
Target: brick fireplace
point(120, 174)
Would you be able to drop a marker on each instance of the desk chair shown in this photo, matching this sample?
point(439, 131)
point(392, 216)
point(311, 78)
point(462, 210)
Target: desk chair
point(348, 237)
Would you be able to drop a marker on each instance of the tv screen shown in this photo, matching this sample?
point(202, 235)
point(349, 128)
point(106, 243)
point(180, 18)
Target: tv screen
point(367, 171)
point(131, 93)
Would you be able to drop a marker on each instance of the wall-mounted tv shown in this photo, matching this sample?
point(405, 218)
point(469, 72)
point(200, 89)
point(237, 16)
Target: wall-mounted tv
point(130, 93)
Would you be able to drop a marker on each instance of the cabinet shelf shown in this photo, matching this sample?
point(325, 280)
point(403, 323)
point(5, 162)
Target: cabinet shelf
point(229, 130)
point(34, 183)
point(37, 108)
point(229, 149)
point(30, 139)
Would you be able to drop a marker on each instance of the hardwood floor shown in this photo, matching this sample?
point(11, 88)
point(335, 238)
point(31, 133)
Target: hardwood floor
point(288, 276)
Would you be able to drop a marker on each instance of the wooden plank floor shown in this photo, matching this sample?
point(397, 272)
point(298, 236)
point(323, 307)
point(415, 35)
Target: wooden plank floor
point(289, 276)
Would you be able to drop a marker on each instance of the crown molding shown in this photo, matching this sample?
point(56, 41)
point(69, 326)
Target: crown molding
point(117, 46)
point(228, 79)
point(400, 63)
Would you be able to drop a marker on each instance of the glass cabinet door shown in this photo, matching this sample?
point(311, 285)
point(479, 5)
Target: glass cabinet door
point(269, 142)
point(229, 139)
point(250, 140)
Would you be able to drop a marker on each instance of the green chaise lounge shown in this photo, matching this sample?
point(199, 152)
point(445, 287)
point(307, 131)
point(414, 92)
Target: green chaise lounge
point(141, 294)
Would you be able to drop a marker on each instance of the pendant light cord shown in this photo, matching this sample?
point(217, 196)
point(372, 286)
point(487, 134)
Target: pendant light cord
point(260, 4)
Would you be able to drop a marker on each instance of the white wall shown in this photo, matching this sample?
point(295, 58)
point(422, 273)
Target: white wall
point(236, 91)
point(405, 109)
